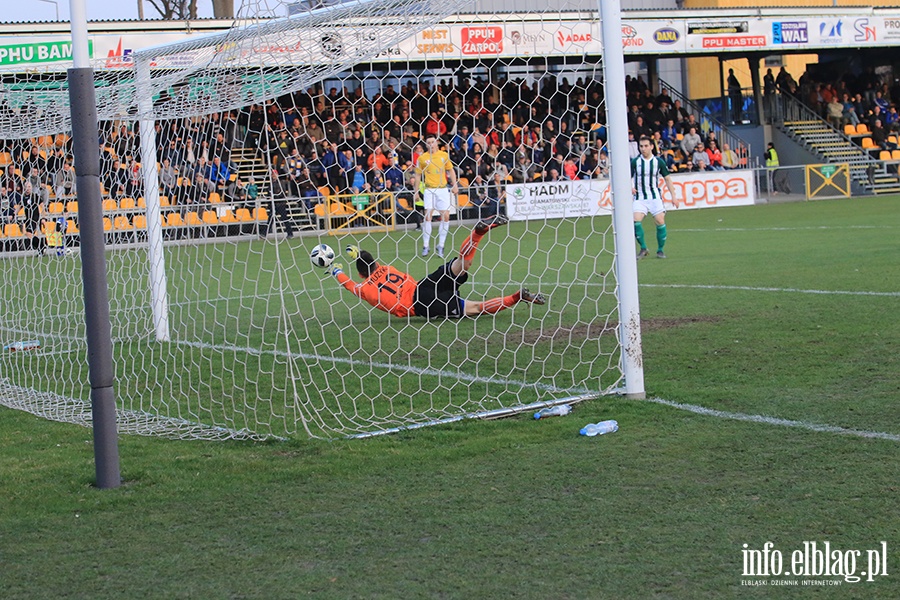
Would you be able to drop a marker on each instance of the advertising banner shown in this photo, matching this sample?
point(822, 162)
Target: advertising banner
point(590, 198)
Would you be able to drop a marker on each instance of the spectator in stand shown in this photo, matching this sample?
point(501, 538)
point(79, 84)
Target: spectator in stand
point(603, 164)
point(669, 135)
point(278, 208)
point(699, 159)
point(570, 169)
point(64, 180)
point(38, 182)
point(168, 178)
point(633, 150)
point(835, 112)
point(715, 156)
point(252, 192)
point(880, 137)
point(892, 120)
point(525, 170)
point(730, 158)
point(689, 142)
point(849, 114)
point(217, 173)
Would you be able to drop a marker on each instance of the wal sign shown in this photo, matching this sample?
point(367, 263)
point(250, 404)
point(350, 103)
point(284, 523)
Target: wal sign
point(790, 32)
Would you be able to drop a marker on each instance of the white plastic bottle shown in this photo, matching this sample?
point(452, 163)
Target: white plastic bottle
point(553, 411)
point(26, 345)
point(600, 428)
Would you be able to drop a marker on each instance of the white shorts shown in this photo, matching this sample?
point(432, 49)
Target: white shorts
point(651, 206)
point(436, 199)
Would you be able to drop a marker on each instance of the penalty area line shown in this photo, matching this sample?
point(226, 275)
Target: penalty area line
point(744, 288)
point(733, 416)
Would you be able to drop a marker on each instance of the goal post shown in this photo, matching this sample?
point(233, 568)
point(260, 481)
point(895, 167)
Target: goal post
point(221, 326)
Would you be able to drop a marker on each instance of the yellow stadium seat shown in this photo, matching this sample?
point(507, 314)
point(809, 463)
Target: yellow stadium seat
point(193, 219)
point(463, 182)
point(72, 206)
point(110, 205)
point(895, 154)
point(5, 159)
point(243, 214)
point(127, 204)
point(862, 129)
point(210, 218)
point(174, 219)
point(868, 143)
point(260, 214)
point(121, 223)
point(141, 203)
point(319, 210)
point(463, 200)
point(71, 227)
point(164, 201)
point(325, 191)
point(849, 129)
point(12, 230)
point(139, 221)
point(228, 217)
point(884, 155)
point(107, 224)
point(215, 198)
point(55, 208)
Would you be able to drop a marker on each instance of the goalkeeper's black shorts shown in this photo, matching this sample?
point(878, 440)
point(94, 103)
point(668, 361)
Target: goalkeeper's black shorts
point(437, 295)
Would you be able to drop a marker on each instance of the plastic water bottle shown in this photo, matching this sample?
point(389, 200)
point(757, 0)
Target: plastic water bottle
point(600, 428)
point(26, 345)
point(553, 411)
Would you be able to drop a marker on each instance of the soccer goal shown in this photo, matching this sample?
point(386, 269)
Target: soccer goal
point(226, 158)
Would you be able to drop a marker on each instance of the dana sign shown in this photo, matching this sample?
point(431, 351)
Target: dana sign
point(588, 198)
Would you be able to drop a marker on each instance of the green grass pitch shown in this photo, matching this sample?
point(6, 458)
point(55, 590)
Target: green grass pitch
point(784, 313)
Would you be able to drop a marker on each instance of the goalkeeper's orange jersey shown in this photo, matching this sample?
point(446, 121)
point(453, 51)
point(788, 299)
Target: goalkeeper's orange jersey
point(386, 289)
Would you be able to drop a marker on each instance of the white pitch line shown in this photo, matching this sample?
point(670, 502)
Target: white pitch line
point(810, 228)
point(721, 414)
point(744, 288)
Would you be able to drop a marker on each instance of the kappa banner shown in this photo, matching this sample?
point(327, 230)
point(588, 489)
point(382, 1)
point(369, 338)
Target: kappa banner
point(591, 197)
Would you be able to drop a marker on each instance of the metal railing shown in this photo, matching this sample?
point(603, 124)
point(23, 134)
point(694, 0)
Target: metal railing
point(725, 135)
point(786, 109)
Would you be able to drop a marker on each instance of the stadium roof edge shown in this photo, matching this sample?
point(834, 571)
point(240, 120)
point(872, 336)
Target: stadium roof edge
point(212, 24)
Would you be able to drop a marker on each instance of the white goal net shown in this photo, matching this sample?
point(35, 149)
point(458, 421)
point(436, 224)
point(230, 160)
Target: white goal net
point(301, 126)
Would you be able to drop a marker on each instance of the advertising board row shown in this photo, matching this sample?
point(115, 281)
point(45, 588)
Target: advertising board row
point(590, 198)
point(495, 38)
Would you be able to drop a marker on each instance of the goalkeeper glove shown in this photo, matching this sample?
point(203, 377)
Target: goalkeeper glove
point(352, 252)
point(337, 268)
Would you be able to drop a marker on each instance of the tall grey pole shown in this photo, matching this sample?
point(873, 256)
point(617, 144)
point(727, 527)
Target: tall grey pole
point(620, 179)
point(83, 102)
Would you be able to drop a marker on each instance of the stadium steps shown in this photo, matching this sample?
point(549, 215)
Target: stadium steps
point(832, 146)
point(249, 164)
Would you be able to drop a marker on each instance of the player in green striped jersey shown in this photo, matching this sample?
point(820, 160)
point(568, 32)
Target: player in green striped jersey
point(646, 171)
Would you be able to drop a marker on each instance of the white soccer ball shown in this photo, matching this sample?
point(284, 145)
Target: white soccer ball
point(322, 256)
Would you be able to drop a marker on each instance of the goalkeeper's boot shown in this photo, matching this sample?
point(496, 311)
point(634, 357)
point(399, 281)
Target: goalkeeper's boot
point(485, 225)
point(642, 253)
point(533, 297)
point(352, 252)
point(660, 254)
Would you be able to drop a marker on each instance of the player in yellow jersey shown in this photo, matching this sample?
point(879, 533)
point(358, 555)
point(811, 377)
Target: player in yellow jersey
point(435, 170)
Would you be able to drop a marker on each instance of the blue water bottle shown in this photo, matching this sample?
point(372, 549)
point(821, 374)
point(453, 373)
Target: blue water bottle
point(600, 428)
point(553, 411)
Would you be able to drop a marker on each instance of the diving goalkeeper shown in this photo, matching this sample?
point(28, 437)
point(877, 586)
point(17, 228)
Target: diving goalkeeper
point(437, 295)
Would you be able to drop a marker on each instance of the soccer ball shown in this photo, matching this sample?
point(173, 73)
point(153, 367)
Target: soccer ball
point(322, 256)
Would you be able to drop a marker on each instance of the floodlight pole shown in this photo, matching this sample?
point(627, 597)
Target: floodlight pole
point(632, 360)
point(85, 127)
